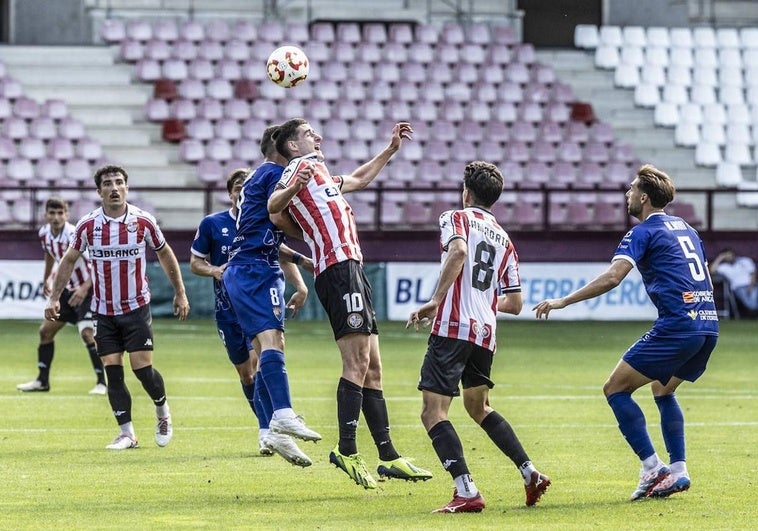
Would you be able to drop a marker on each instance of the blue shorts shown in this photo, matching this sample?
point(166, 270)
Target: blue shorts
point(660, 358)
point(237, 345)
point(257, 295)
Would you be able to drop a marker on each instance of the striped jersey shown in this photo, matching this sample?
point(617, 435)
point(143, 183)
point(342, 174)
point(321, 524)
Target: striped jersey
point(469, 309)
point(117, 251)
point(323, 214)
point(56, 246)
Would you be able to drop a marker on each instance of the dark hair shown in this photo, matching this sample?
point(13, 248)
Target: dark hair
point(267, 140)
point(108, 170)
point(656, 184)
point(236, 175)
point(286, 132)
point(483, 181)
point(54, 203)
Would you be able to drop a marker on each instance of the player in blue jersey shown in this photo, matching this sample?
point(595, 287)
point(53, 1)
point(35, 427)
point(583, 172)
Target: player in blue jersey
point(210, 252)
point(669, 255)
point(254, 282)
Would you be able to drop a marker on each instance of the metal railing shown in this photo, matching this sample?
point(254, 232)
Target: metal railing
point(703, 200)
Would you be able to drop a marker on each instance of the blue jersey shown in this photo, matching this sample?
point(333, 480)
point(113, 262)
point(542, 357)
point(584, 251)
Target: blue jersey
point(669, 255)
point(213, 241)
point(257, 238)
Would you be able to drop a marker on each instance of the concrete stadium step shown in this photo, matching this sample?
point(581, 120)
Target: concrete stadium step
point(176, 175)
point(109, 96)
point(156, 155)
point(94, 116)
point(64, 74)
point(55, 55)
point(133, 135)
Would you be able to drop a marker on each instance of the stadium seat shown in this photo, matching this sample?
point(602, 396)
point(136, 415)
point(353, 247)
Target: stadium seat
point(166, 89)
point(43, 128)
point(728, 174)
point(173, 130)
point(658, 36)
point(113, 31)
point(61, 149)
point(586, 36)
point(131, 51)
point(31, 148)
point(707, 154)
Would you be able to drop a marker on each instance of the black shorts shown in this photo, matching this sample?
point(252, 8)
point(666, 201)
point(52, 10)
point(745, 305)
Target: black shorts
point(74, 314)
point(449, 361)
point(345, 294)
point(130, 332)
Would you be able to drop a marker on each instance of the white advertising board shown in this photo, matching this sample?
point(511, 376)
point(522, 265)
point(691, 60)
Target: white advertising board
point(21, 295)
point(410, 284)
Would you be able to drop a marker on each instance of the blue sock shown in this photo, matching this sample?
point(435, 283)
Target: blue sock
point(632, 424)
point(672, 426)
point(262, 402)
point(249, 391)
point(275, 377)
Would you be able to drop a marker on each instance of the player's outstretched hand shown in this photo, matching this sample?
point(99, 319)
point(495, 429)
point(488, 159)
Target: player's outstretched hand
point(401, 131)
point(181, 306)
point(544, 307)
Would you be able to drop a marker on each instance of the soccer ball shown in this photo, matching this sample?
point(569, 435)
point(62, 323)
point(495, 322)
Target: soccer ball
point(287, 66)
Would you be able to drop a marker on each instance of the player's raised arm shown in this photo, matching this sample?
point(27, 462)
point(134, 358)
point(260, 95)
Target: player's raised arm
point(364, 174)
point(603, 283)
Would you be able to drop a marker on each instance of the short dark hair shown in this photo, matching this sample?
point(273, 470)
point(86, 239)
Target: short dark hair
point(108, 170)
point(267, 140)
point(484, 181)
point(656, 184)
point(236, 175)
point(285, 133)
point(55, 203)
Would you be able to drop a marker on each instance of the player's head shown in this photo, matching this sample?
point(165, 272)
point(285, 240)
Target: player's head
point(483, 182)
point(651, 188)
point(56, 212)
point(234, 183)
point(296, 138)
point(109, 170)
point(237, 177)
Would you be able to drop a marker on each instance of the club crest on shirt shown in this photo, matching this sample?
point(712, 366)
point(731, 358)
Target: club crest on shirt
point(355, 320)
point(131, 226)
point(483, 331)
point(277, 312)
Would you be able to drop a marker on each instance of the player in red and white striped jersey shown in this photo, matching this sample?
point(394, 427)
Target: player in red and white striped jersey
point(478, 261)
point(75, 299)
point(316, 203)
point(117, 236)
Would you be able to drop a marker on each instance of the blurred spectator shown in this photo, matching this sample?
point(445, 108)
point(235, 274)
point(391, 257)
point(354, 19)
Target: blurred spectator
point(739, 272)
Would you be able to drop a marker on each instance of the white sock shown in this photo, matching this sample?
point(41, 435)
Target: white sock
point(262, 433)
point(526, 470)
point(679, 468)
point(162, 411)
point(651, 462)
point(128, 429)
point(465, 486)
point(284, 413)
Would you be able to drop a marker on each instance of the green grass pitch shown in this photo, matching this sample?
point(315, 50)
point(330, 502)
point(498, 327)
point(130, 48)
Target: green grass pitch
point(55, 472)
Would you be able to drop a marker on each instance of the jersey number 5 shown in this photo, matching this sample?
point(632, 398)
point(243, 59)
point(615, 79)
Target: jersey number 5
point(696, 265)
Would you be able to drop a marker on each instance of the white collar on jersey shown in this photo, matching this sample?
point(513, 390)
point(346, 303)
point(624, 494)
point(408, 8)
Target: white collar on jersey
point(120, 219)
point(656, 213)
